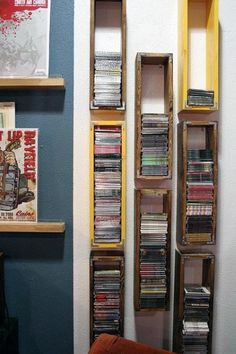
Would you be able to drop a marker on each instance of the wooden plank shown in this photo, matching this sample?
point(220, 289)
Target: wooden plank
point(38, 227)
point(32, 83)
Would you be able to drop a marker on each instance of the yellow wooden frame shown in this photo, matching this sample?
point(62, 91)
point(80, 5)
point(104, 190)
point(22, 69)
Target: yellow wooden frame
point(212, 54)
point(123, 184)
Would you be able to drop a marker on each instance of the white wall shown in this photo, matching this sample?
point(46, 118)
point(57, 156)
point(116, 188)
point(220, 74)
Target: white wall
point(152, 27)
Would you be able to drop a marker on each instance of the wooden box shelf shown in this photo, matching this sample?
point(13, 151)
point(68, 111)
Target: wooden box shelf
point(152, 249)
point(107, 271)
point(32, 83)
point(198, 51)
point(108, 35)
point(153, 112)
point(107, 184)
point(197, 182)
point(192, 269)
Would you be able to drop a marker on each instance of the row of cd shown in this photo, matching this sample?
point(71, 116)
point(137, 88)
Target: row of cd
point(200, 195)
point(107, 184)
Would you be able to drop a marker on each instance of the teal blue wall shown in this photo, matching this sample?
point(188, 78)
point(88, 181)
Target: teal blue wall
point(38, 268)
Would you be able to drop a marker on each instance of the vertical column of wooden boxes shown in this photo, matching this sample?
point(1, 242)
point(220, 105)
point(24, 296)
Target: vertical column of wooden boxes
point(153, 164)
point(107, 166)
point(197, 175)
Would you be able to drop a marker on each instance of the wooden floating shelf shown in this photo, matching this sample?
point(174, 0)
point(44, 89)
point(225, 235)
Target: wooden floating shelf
point(32, 83)
point(39, 227)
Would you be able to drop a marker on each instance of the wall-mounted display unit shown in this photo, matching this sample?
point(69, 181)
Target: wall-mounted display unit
point(108, 55)
point(193, 302)
point(153, 116)
point(197, 182)
point(198, 55)
point(107, 184)
point(106, 293)
point(152, 249)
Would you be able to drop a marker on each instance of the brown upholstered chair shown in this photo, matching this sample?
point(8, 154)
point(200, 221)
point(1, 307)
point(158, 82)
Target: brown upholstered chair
point(107, 344)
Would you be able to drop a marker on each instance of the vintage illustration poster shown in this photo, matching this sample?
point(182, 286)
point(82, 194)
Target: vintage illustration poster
point(18, 175)
point(24, 38)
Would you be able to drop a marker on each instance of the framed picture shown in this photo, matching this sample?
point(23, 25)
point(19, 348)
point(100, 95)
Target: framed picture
point(7, 114)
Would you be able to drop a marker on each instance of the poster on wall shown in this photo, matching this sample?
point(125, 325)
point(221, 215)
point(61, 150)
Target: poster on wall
point(7, 114)
point(18, 175)
point(24, 38)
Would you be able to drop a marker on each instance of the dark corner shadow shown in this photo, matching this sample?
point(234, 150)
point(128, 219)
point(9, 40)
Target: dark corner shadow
point(36, 100)
point(152, 328)
point(32, 246)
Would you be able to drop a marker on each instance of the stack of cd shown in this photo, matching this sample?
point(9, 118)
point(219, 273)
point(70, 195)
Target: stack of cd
point(200, 97)
point(107, 167)
point(106, 305)
point(153, 252)
point(196, 318)
point(200, 195)
point(154, 145)
point(107, 79)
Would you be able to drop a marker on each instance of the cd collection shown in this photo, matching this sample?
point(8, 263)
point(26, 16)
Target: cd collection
point(153, 253)
point(107, 178)
point(196, 319)
point(200, 196)
point(154, 145)
point(106, 296)
point(107, 79)
point(200, 97)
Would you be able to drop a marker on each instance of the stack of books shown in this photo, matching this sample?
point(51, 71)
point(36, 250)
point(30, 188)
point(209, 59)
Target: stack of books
point(154, 145)
point(200, 97)
point(196, 318)
point(153, 252)
point(107, 79)
point(200, 196)
point(107, 177)
point(106, 295)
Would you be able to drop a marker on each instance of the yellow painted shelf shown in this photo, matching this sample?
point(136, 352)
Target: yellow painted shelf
point(32, 83)
point(198, 16)
point(94, 243)
point(39, 227)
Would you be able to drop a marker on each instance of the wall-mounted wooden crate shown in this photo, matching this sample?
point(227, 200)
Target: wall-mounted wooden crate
point(153, 115)
point(197, 182)
point(152, 249)
point(193, 270)
point(107, 35)
point(198, 53)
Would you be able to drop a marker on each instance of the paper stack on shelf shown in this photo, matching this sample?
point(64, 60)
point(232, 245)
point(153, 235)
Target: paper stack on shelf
point(154, 145)
point(107, 79)
point(153, 287)
point(107, 177)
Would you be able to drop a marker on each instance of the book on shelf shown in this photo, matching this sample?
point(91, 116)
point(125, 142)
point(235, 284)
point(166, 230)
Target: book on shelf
point(24, 38)
point(18, 175)
point(7, 114)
